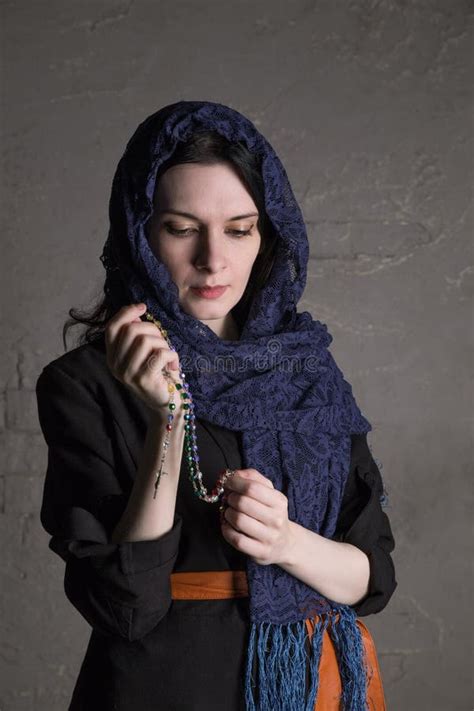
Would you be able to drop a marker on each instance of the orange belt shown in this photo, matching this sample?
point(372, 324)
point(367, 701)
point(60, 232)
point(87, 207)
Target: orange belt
point(223, 584)
point(209, 585)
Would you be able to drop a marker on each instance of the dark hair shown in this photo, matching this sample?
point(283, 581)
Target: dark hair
point(209, 148)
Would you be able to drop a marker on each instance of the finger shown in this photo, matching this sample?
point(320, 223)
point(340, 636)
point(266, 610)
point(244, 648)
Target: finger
point(245, 524)
point(257, 476)
point(142, 332)
point(252, 488)
point(124, 315)
point(250, 507)
point(147, 356)
point(241, 542)
point(162, 362)
point(114, 330)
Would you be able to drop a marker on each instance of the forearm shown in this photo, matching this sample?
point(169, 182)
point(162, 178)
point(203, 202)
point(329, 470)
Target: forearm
point(340, 571)
point(145, 517)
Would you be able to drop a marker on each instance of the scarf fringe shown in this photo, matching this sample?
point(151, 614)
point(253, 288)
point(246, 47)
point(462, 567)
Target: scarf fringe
point(282, 660)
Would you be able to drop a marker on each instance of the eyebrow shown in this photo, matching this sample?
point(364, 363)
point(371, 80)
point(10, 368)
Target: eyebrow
point(194, 217)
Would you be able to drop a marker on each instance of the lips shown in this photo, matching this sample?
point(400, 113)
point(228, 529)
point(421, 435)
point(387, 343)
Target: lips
point(209, 292)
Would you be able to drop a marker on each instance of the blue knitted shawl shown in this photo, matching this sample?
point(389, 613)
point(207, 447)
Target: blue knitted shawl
point(284, 393)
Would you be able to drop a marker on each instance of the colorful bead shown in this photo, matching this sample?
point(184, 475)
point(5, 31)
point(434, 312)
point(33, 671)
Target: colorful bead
point(190, 443)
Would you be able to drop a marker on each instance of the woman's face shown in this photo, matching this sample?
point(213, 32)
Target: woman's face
point(215, 243)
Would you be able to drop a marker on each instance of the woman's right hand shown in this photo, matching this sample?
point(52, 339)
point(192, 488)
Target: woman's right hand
point(136, 355)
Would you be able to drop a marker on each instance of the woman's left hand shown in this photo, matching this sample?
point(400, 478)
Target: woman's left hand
point(256, 520)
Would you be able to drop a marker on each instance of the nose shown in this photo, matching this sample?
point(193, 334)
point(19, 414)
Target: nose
point(211, 251)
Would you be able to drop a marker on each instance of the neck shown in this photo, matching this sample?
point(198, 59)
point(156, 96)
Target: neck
point(226, 328)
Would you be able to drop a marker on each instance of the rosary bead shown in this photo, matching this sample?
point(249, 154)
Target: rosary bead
point(191, 449)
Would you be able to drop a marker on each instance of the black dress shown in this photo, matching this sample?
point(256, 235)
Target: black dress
point(146, 651)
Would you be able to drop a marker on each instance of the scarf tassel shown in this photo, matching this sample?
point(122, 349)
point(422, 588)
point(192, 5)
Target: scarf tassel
point(282, 674)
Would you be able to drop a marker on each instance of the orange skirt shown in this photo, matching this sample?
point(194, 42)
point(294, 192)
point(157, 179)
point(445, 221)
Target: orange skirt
point(220, 585)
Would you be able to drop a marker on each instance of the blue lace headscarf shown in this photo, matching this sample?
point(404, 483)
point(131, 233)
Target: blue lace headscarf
point(284, 393)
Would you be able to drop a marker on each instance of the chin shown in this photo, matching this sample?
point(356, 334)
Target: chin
point(206, 311)
point(210, 312)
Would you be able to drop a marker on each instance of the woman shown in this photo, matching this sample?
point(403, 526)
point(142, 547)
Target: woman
point(209, 482)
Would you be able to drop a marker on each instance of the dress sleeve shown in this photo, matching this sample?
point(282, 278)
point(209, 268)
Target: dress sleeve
point(119, 588)
point(364, 524)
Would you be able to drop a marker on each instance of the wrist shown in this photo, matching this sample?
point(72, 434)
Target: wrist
point(159, 418)
point(287, 553)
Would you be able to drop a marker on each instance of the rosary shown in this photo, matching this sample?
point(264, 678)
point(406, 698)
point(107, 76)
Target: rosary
point(190, 443)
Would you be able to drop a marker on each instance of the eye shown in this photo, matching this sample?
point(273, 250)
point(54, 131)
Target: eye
point(174, 231)
point(241, 233)
point(188, 230)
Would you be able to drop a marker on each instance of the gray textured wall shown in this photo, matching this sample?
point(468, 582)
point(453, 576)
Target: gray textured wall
point(367, 103)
